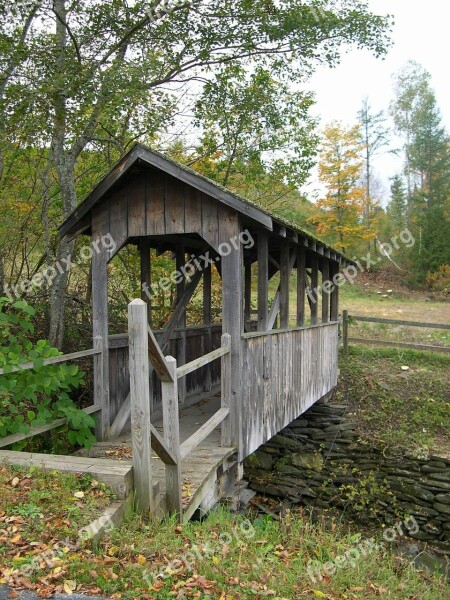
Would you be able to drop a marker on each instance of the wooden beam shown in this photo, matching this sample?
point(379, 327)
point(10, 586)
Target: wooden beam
point(161, 448)
point(325, 294)
point(146, 278)
point(314, 286)
point(334, 304)
point(156, 357)
point(181, 343)
point(226, 387)
point(202, 433)
point(207, 319)
point(301, 285)
point(52, 361)
point(263, 280)
point(196, 364)
point(247, 293)
point(100, 226)
point(34, 431)
point(140, 405)
point(285, 273)
point(172, 437)
point(276, 301)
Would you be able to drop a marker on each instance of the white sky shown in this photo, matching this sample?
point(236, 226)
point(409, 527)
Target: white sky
point(421, 33)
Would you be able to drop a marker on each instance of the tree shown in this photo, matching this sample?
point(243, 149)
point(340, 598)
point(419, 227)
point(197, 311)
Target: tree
point(257, 132)
point(375, 137)
point(397, 204)
point(340, 170)
point(427, 167)
point(101, 74)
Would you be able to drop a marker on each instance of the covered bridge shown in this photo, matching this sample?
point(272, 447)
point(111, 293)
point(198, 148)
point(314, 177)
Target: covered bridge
point(264, 367)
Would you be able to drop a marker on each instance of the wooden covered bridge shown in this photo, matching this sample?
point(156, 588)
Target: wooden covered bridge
point(204, 397)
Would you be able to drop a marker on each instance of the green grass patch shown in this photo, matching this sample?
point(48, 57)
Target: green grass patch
point(402, 409)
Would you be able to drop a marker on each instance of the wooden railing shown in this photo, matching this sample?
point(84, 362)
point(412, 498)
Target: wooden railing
point(145, 351)
point(34, 431)
point(348, 319)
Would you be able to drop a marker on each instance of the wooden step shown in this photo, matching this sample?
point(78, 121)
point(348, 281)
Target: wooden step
point(118, 476)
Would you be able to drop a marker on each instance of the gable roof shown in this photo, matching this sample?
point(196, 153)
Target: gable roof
point(76, 223)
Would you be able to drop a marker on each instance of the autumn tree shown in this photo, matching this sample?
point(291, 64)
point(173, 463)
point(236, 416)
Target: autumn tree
point(97, 75)
point(340, 170)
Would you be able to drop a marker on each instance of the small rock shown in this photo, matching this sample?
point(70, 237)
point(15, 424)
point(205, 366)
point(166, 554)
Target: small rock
point(405, 368)
point(79, 495)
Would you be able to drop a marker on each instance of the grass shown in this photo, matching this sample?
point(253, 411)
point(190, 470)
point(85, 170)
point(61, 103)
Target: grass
point(231, 557)
point(398, 408)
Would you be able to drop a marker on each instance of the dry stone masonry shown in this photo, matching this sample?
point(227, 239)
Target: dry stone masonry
point(319, 461)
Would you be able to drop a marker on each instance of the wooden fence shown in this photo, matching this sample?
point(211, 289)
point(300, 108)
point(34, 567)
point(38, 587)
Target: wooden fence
point(145, 351)
point(348, 319)
point(34, 431)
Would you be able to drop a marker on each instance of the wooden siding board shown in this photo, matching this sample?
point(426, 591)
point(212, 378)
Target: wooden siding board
point(285, 374)
point(174, 206)
point(154, 204)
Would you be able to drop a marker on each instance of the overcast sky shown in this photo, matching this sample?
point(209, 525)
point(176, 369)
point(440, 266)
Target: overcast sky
point(421, 33)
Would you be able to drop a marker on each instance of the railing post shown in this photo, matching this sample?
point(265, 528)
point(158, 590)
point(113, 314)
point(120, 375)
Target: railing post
point(226, 388)
point(140, 404)
point(172, 437)
point(345, 330)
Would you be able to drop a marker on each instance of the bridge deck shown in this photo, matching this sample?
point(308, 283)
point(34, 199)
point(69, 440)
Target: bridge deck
point(199, 469)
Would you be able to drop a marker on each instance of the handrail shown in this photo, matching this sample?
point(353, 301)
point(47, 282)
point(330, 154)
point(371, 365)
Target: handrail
point(19, 437)
point(52, 361)
point(202, 433)
point(201, 362)
point(398, 322)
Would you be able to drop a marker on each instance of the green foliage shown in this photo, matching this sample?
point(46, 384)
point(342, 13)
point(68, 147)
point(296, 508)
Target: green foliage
point(35, 397)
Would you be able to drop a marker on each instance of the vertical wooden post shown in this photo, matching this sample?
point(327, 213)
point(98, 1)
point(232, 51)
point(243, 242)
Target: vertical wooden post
point(181, 343)
point(172, 437)
point(345, 330)
point(263, 280)
point(247, 295)
point(146, 278)
point(334, 308)
point(207, 319)
point(314, 286)
point(325, 294)
point(232, 323)
point(226, 388)
point(301, 285)
point(284, 285)
point(140, 404)
point(100, 327)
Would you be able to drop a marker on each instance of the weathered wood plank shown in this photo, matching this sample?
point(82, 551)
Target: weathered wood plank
point(285, 272)
point(146, 276)
point(100, 227)
point(202, 433)
point(314, 288)
point(193, 210)
point(172, 438)
point(34, 431)
point(210, 221)
point(391, 344)
point(154, 204)
point(174, 206)
point(301, 285)
point(181, 345)
point(156, 357)
point(263, 280)
point(140, 405)
point(200, 362)
point(53, 361)
point(325, 293)
point(334, 304)
point(135, 193)
point(399, 322)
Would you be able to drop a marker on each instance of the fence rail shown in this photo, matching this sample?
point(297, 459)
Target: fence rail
point(347, 320)
point(146, 351)
point(34, 431)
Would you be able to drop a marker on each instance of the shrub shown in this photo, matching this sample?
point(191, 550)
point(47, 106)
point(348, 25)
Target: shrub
point(35, 397)
point(439, 281)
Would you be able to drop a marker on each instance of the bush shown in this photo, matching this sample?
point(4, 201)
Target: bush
point(35, 397)
point(439, 281)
